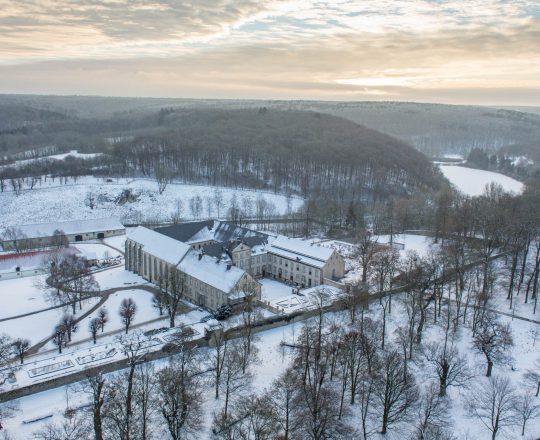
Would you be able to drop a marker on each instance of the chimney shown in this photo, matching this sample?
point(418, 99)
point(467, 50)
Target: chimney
point(200, 256)
point(229, 265)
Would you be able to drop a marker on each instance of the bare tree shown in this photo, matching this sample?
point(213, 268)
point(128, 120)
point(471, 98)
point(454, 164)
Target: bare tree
point(173, 288)
point(366, 247)
point(93, 327)
point(163, 177)
point(493, 339)
point(450, 368)
point(70, 324)
point(20, 348)
point(59, 239)
point(179, 397)
point(233, 379)
point(433, 421)
point(282, 396)
point(95, 387)
point(72, 427)
point(16, 237)
point(127, 311)
point(218, 201)
point(120, 399)
point(103, 317)
point(527, 408)
point(90, 199)
point(395, 393)
point(60, 338)
point(220, 344)
point(493, 403)
point(6, 352)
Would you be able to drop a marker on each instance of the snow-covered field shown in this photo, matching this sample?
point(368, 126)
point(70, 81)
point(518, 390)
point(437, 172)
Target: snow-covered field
point(20, 296)
point(41, 325)
point(473, 182)
point(61, 156)
point(55, 201)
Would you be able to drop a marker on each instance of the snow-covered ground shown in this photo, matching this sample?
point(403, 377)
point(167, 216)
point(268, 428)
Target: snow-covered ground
point(61, 156)
point(101, 251)
point(20, 296)
point(41, 325)
point(274, 360)
point(55, 201)
point(473, 182)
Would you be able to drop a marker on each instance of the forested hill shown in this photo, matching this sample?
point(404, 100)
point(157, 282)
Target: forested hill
point(283, 150)
point(436, 129)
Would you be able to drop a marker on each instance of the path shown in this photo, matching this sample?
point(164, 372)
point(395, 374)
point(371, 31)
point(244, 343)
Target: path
point(105, 294)
point(112, 247)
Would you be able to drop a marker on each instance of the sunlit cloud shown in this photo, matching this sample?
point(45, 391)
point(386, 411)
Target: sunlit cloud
point(340, 49)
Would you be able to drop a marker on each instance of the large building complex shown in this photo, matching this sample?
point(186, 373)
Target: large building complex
point(220, 260)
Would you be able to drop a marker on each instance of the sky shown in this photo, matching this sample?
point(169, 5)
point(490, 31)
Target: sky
point(450, 51)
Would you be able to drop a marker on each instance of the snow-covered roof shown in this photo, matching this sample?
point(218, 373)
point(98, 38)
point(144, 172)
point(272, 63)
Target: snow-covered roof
point(205, 234)
point(293, 247)
point(295, 257)
point(211, 271)
point(70, 227)
point(162, 247)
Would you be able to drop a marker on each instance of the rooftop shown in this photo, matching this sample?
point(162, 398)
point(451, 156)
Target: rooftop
point(163, 247)
point(40, 230)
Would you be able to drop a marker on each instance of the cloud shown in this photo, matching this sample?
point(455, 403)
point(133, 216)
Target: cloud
point(482, 50)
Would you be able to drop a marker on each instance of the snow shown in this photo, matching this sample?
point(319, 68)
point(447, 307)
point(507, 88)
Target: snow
point(211, 271)
point(145, 312)
point(300, 247)
point(117, 277)
point(70, 227)
point(281, 297)
point(117, 241)
point(472, 181)
point(39, 326)
point(53, 201)
point(61, 156)
point(159, 245)
point(20, 296)
point(420, 244)
point(101, 251)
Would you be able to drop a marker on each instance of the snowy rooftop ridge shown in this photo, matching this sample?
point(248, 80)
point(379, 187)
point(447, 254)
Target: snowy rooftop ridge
point(302, 248)
point(211, 271)
point(40, 230)
point(163, 247)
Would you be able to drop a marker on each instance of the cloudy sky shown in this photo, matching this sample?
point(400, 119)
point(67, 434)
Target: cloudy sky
point(454, 51)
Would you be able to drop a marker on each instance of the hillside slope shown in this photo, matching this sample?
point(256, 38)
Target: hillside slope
point(284, 150)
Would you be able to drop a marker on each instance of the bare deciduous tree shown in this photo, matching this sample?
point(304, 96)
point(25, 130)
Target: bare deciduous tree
point(395, 393)
point(93, 327)
point(493, 403)
point(493, 339)
point(127, 311)
point(20, 348)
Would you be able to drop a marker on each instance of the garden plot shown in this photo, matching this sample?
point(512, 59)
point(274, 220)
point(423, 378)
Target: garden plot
point(49, 368)
point(307, 299)
point(39, 326)
point(145, 312)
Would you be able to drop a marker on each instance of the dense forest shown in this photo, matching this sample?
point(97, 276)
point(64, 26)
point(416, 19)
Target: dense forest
point(292, 151)
point(297, 152)
point(434, 129)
